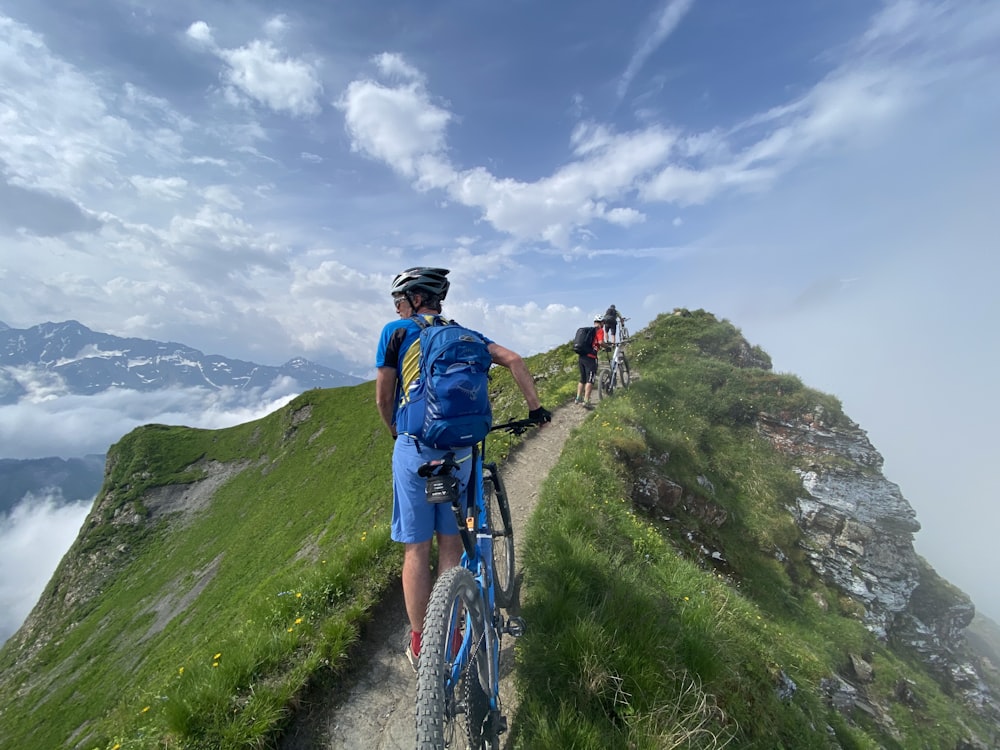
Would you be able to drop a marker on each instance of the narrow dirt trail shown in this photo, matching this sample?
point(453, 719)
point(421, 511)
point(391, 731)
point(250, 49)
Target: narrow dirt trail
point(373, 708)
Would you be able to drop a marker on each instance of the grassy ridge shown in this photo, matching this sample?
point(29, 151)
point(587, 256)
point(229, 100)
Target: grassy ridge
point(638, 638)
point(232, 607)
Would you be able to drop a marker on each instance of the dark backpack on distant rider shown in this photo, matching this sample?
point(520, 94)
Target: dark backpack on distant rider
point(448, 406)
point(583, 341)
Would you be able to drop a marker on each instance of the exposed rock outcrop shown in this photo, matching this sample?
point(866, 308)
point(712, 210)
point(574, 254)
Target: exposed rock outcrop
point(858, 536)
point(858, 526)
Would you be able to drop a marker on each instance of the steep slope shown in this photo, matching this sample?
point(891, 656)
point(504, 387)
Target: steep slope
point(203, 543)
point(743, 523)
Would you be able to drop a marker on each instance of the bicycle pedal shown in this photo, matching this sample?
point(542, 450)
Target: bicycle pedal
point(501, 725)
point(515, 626)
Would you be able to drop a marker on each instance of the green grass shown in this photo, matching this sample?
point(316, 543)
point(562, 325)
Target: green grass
point(283, 564)
point(203, 631)
point(635, 639)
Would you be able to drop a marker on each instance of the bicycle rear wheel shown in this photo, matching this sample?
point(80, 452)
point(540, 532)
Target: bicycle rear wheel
point(605, 385)
point(453, 713)
point(498, 512)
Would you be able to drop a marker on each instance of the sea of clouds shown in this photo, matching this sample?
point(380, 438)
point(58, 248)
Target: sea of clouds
point(39, 530)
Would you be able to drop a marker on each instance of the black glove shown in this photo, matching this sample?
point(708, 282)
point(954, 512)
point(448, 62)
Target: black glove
point(541, 414)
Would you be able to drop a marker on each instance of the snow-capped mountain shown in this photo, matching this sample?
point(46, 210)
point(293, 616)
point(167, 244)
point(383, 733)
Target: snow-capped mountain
point(70, 358)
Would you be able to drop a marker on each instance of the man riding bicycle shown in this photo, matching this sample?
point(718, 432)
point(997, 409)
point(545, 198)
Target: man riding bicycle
point(420, 291)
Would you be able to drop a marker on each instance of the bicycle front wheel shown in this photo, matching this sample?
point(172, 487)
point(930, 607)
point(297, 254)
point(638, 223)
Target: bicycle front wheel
point(624, 371)
point(498, 513)
point(452, 712)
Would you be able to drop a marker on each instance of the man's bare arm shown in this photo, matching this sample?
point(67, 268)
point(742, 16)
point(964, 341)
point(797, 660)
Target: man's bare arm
point(519, 371)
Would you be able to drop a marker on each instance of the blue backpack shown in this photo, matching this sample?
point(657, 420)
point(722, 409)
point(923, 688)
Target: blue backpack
point(448, 406)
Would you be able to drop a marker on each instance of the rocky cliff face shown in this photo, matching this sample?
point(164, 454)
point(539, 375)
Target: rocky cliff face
point(858, 526)
point(858, 535)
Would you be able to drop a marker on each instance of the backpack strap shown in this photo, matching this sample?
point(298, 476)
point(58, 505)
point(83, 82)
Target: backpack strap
point(439, 320)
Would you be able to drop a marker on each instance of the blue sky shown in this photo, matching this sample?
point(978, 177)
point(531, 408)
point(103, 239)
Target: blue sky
point(822, 173)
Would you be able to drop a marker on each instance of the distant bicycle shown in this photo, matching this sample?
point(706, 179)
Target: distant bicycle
point(622, 330)
point(616, 373)
point(458, 679)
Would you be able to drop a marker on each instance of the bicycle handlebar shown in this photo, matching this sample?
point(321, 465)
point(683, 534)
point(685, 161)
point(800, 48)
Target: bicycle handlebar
point(447, 463)
point(516, 427)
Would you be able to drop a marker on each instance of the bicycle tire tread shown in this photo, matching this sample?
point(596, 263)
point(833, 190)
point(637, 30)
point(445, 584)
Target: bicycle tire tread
point(432, 703)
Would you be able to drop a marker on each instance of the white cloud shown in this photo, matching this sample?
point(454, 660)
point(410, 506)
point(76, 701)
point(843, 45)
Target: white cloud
point(276, 25)
point(58, 134)
point(164, 188)
point(402, 127)
point(33, 539)
point(396, 125)
point(266, 75)
point(666, 21)
point(393, 65)
point(222, 195)
point(615, 176)
point(201, 32)
point(66, 425)
point(263, 73)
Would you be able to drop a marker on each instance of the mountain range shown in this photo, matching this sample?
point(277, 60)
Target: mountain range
point(70, 358)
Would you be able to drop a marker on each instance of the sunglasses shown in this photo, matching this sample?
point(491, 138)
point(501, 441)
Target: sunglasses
point(397, 301)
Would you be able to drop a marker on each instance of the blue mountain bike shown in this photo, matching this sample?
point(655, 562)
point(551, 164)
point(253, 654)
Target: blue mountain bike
point(458, 680)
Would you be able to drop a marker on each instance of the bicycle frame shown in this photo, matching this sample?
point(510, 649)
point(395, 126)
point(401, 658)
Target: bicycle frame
point(614, 364)
point(616, 360)
point(617, 373)
point(477, 557)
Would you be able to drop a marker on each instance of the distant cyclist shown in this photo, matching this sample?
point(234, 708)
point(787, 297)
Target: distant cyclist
point(611, 316)
point(420, 291)
point(588, 365)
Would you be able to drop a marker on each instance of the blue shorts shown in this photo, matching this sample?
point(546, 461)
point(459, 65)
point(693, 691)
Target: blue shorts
point(413, 518)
